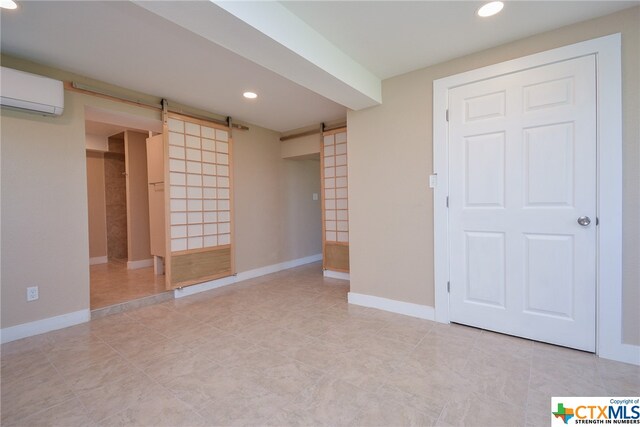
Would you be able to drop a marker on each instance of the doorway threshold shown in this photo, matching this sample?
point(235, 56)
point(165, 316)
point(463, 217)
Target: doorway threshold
point(131, 305)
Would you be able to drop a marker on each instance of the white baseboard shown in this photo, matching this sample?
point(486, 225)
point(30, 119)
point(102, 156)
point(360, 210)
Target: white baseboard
point(627, 353)
point(98, 260)
point(245, 275)
point(274, 268)
point(143, 263)
point(38, 327)
point(394, 306)
point(336, 275)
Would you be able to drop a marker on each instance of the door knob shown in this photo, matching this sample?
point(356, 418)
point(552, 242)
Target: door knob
point(584, 221)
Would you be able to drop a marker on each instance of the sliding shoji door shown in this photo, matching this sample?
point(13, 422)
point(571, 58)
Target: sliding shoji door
point(199, 201)
point(335, 213)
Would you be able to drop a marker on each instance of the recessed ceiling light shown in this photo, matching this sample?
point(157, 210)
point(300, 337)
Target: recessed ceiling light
point(8, 4)
point(490, 9)
point(250, 95)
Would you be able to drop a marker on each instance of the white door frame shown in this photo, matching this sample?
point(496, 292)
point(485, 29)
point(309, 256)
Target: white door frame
point(607, 51)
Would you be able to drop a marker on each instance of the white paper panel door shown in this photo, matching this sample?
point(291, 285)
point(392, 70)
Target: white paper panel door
point(199, 185)
point(336, 203)
point(522, 153)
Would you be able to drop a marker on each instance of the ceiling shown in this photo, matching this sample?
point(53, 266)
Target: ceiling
point(391, 38)
point(309, 61)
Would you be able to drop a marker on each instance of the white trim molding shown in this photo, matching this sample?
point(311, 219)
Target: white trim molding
point(98, 260)
point(143, 263)
point(336, 275)
point(38, 327)
point(394, 306)
point(245, 275)
point(627, 353)
point(607, 51)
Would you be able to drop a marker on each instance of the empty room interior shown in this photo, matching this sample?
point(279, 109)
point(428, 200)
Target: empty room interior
point(372, 213)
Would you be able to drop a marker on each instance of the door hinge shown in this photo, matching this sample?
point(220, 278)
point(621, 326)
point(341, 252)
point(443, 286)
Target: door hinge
point(447, 201)
point(597, 221)
point(447, 114)
point(448, 287)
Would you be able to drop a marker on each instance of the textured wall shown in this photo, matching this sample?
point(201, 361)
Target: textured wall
point(390, 153)
point(96, 202)
point(276, 218)
point(116, 200)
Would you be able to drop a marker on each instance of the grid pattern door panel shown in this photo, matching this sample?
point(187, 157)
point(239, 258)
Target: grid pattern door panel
point(199, 186)
point(335, 185)
point(335, 209)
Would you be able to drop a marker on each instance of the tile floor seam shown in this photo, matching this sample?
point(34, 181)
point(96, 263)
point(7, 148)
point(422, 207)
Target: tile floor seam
point(41, 411)
point(131, 365)
point(29, 375)
point(153, 380)
point(73, 392)
point(370, 351)
point(526, 404)
point(323, 371)
point(441, 413)
point(598, 368)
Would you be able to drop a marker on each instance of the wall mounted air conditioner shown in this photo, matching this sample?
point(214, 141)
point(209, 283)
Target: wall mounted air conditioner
point(31, 92)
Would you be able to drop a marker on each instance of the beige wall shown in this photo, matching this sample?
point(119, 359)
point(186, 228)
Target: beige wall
point(302, 214)
point(97, 205)
point(274, 219)
point(138, 241)
point(44, 236)
point(390, 153)
point(97, 142)
point(44, 215)
point(305, 146)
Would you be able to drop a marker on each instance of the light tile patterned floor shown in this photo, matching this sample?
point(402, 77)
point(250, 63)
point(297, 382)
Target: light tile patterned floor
point(286, 349)
point(112, 283)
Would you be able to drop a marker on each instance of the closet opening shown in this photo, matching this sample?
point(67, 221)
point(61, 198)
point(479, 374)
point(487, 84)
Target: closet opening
point(325, 151)
point(122, 266)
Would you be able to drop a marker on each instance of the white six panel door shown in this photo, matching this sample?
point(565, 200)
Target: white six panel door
point(522, 153)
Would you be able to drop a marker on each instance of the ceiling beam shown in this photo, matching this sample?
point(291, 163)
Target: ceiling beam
point(271, 36)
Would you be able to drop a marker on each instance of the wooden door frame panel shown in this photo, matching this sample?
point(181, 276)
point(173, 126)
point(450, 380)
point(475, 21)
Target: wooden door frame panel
point(607, 51)
point(333, 259)
point(214, 271)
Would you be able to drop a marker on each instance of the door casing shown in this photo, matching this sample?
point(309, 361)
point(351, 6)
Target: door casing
point(607, 51)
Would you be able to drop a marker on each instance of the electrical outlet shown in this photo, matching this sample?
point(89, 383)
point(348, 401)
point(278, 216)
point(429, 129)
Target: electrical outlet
point(32, 293)
point(315, 196)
